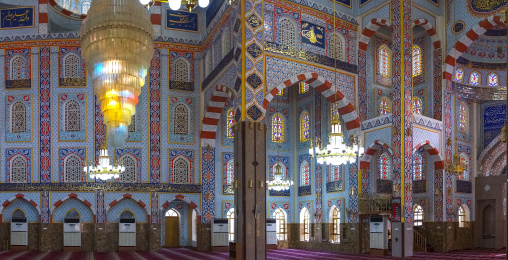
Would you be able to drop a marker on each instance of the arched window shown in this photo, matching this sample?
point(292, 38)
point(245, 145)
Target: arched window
point(181, 120)
point(334, 113)
point(231, 224)
point(181, 70)
point(226, 41)
point(19, 68)
point(417, 106)
point(18, 167)
point(384, 166)
point(280, 222)
point(230, 121)
point(385, 106)
point(278, 128)
point(85, 6)
point(305, 225)
point(418, 167)
point(462, 216)
point(417, 61)
point(72, 116)
point(73, 169)
point(464, 161)
point(18, 118)
point(337, 46)
point(181, 171)
point(474, 78)
point(18, 214)
point(304, 174)
point(72, 66)
point(230, 172)
point(493, 79)
point(171, 213)
point(335, 221)
point(418, 215)
point(459, 75)
point(127, 214)
point(132, 126)
point(282, 171)
point(130, 173)
point(334, 173)
point(288, 33)
point(72, 214)
point(304, 127)
point(384, 61)
point(463, 117)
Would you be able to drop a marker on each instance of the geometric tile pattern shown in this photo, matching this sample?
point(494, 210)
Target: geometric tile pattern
point(155, 119)
point(32, 214)
point(208, 183)
point(86, 215)
point(139, 212)
point(45, 114)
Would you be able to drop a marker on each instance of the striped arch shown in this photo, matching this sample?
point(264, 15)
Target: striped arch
point(323, 86)
point(186, 200)
point(369, 30)
point(213, 111)
point(466, 40)
point(371, 151)
point(434, 154)
point(128, 196)
point(17, 196)
point(492, 157)
point(430, 30)
point(72, 196)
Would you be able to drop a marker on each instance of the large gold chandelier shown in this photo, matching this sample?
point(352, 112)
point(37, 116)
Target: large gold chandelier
point(117, 45)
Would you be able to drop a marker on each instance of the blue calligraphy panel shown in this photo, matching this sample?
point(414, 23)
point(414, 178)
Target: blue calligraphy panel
point(313, 34)
point(212, 10)
point(485, 8)
point(181, 20)
point(17, 17)
point(494, 118)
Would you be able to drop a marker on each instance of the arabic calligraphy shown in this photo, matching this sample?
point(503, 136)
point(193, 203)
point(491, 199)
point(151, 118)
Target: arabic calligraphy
point(482, 8)
point(313, 34)
point(181, 20)
point(17, 18)
point(110, 187)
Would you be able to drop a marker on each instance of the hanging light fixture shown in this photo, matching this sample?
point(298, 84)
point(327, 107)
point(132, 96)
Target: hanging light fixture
point(104, 171)
point(117, 45)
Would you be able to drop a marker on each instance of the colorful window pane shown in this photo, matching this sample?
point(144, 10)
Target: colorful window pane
point(459, 75)
point(384, 106)
point(304, 87)
point(418, 167)
point(304, 127)
point(464, 161)
point(334, 174)
point(493, 79)
point(304, 174)
point(334, 113)
point(384, 163)
point(336, 225)
point(417, 61)
point(474, 78)
point(384, 61)
point(230, 122)
point(463, 117)
point(418, 215)
point(277, 128)
point(417, 106)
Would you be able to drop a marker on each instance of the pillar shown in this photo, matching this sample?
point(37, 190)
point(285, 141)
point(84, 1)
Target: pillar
point(250, 190)
point(402, 141)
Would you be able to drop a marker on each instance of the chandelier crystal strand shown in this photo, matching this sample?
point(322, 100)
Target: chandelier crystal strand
point(117, 45)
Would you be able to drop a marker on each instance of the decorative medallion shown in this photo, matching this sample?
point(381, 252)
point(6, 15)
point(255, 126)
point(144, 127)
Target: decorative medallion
point(254, 80)
point(254, 50)
point(254, 21)
point(254, 113)
point(458, 27)
point(483, 8)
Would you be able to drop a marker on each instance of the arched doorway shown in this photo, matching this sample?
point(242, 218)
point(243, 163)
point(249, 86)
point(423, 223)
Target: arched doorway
point(172, 228)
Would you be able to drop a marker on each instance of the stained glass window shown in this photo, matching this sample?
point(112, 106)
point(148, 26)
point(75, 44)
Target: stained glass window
point(130, 173)
point(181, 70)
point(304, 127)
point(304, 87)
point(384, 164)
point(304, 174)
point(463, 117)
point(384, 61)
point(334, 113)
point(73, 169)
point(230, 172)
point(72, 116)
point(336, 225)
point(337, 46)
point(18, 167)
point(418, 215)
point(462, 216)
point(464, 161)
point(280, 222)
point(181, 120)
point(181, 171)
point(18, 118)
point(459, 75)
point(418, 167)
point(230, 121)
point(493, 79)
point(306, 224)
point(288, 33)
point(417, 105)
point(334, 174)
point(417, 61)
point(277, 128)
point(19, 68)
point(385, 106)
point(474, 78)
point(231, 224)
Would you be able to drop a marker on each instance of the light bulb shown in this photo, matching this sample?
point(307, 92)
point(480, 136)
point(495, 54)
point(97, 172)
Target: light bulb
point(175, 4)
point(203, 3)
point(144, 2)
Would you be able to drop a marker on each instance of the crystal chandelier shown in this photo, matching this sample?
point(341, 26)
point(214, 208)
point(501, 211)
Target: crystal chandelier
point(278, 182)
point(177, 4)
point(117, 45)
point(104, 171)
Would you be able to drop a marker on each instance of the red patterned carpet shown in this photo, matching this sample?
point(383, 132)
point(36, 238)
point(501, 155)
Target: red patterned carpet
point(187, 254)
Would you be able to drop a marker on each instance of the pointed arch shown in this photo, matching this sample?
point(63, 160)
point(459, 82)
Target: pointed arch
point(73, 168)
point(373, 148)
point(494, 154)
point(181, 119)
point(475, 78)
point(72, 65)
point(369, 30)
point(304, 174)
point(288, 32)
point(278, 128)
point(18, 118)
point(385, 106)
point(191, 204)
point(131, 173)
point(459, 75)
point(220, 95)
point(304, 224)
point(181, 170)
point(7, 202)
point(18, 66)
point(72, 116)
point(430, 30)
point(334, 219)
point(337, 45)
point(493, 79)
point(85, 212)
point(434, 154)
point(418, 215)
point(280, 217)
point(73, 196)
point(181, 70)
point(129, 196)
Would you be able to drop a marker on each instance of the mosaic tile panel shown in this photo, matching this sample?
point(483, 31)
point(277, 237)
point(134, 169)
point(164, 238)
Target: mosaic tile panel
point(45, 114)
point(31, 212)
point(26, 101)
point(85, 213)
point(113, 214)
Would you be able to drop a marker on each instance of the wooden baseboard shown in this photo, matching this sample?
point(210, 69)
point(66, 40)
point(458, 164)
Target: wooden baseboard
point(220, 248)
point(19, 248)
point(72, 249)
point(126, 248)
point(378, 251)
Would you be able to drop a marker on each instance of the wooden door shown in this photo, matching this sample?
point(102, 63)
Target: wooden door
point(172, 232)
point(489, 227)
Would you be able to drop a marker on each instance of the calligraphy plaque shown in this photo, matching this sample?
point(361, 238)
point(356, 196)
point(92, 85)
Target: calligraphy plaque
point(313, 34)
point(182, 21)
point(484, 8)
point(15, 18)
point(494, 118)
